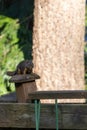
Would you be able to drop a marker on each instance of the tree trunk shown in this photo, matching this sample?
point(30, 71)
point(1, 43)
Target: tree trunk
point(58, 44)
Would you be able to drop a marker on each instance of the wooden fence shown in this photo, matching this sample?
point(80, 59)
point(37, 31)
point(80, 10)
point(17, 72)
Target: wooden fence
point(22, 115)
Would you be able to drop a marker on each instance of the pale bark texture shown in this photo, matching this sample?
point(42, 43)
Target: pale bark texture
point(58, 44)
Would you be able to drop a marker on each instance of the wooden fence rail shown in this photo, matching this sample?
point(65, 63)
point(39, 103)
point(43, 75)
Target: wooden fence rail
point(71, 116)
point(22, 115)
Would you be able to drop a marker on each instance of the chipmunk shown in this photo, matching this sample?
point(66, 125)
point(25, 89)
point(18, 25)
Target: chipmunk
point(24, 67)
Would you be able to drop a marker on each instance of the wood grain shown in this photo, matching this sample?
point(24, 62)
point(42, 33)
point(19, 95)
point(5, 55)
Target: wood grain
point(66, 94)
point(22, 90)
point(71, 116)
point(22, 115)
point(24, 78)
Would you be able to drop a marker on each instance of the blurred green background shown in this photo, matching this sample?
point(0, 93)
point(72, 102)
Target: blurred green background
point(16, 22)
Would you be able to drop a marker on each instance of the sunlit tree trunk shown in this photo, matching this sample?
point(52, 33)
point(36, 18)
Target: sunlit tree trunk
point(58, 44)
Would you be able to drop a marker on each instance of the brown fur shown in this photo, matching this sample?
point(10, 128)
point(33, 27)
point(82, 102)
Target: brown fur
point(24, 67)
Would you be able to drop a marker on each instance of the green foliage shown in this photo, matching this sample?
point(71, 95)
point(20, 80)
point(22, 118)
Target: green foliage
point(10, 54)
point(15, 37)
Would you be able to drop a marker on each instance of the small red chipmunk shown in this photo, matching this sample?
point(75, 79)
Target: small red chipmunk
point(24, 67)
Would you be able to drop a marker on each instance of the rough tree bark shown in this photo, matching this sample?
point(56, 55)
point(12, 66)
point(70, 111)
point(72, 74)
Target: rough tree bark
point(58, 44)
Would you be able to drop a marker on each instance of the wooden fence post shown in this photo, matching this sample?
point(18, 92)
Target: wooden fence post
point(24, 84)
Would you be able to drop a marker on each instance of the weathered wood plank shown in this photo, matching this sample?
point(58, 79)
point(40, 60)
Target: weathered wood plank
point(66, 94)
point(22, 90)
point(24, 78)
point(71, 116)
